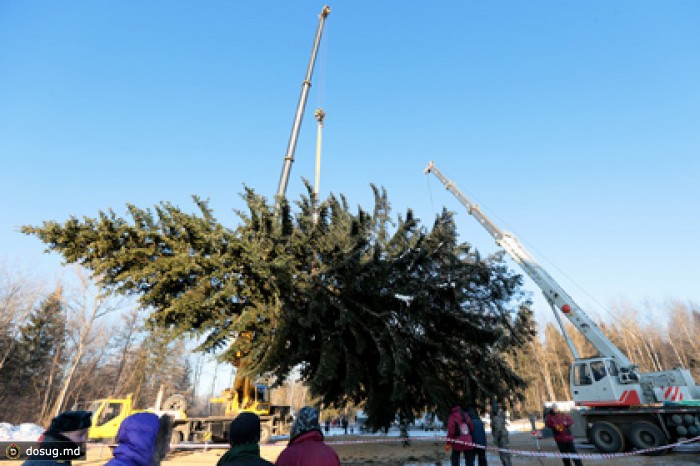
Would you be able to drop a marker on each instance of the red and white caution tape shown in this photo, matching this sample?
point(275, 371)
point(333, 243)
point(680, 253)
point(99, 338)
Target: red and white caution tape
point(541, 454)
point(591, 456)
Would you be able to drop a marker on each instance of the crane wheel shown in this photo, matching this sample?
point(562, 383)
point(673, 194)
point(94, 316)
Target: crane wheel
point(644, 434)
point(175, 402)
point(607, 437)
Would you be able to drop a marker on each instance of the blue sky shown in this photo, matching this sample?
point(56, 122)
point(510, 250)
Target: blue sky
point(573, 124)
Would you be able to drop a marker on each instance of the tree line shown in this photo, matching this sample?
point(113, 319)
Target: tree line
point(62, 347)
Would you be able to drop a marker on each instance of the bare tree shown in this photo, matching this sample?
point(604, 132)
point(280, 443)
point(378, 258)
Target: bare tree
point(131, 329)
point(544, 367)
point(18, 295)
point(84, 310)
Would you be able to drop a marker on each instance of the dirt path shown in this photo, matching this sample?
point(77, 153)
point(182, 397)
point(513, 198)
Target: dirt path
point(388, 451)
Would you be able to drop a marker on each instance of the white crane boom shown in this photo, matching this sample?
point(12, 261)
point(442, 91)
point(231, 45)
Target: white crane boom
point(553, 292)
point(301, 105)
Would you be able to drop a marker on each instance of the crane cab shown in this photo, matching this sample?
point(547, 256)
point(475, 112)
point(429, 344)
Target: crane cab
point(598, 382)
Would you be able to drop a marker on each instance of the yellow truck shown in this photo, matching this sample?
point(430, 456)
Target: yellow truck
point(108, 414)
point(245, 396)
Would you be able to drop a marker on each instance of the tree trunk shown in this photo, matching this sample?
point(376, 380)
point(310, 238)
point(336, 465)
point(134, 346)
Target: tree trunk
point(543, 368)
point(66, 382)
point(122, 360)
point(44, 412)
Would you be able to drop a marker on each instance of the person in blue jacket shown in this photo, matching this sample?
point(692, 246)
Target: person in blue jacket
point(478, 435)
point(143, 440)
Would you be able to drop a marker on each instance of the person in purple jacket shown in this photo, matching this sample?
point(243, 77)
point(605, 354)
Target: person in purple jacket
point(143, 440)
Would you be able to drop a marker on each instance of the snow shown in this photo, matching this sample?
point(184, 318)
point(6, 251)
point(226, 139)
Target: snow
point(23, 432)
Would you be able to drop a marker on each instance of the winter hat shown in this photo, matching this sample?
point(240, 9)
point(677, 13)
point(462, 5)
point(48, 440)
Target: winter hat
point(70, 421)
point(306, 421)
point(136, 439)
point(244, 429)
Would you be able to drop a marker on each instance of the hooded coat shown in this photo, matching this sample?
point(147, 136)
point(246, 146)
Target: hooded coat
point(136, 441)
point(458, 418)
point(478, 431)
point(306, 445)
point(308, 449)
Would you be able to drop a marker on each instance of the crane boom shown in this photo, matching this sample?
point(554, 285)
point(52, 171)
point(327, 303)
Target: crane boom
point(553, 292)
point(298, 116)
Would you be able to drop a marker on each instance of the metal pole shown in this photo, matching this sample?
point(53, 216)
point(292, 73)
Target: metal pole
point(320, 115)
point(535, 435)
point(291, 146)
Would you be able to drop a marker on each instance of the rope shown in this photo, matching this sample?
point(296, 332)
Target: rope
point(430, 194)
point(531, 453)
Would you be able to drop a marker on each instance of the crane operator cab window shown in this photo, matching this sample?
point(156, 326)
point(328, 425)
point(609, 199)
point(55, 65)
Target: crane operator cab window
point(598, 370)
point(262, 393)
point(582, 374)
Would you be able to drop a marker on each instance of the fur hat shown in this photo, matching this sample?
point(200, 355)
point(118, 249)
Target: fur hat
point(70, 421)
point(244, 429)
point(306, 421)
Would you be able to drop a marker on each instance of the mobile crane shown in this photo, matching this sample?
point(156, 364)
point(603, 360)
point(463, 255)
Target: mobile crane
point(624, 406)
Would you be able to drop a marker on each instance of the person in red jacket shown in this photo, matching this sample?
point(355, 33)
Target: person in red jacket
point(460, 427)
point(306, 446)
point(560, 423)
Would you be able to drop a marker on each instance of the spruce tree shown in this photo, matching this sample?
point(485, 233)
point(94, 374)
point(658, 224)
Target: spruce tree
point(42, 337)
point(32, 374)
point(374, 311)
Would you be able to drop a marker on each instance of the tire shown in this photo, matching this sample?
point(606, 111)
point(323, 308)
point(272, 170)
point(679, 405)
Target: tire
point(175, 402)
point(265, 434)
point(644, 435)
point(607, 437)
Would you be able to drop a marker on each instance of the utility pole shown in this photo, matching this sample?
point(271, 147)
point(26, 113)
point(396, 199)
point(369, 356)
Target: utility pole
point(320, 116)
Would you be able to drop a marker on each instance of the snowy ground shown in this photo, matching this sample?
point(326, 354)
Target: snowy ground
point(23, 432)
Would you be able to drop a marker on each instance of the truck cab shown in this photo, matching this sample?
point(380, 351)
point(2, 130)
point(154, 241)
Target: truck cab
point(596, 382)
point(107, 415)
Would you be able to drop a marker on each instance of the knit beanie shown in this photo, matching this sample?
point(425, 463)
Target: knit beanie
point(71, 420)
point(306, 421)
point(244, 429)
